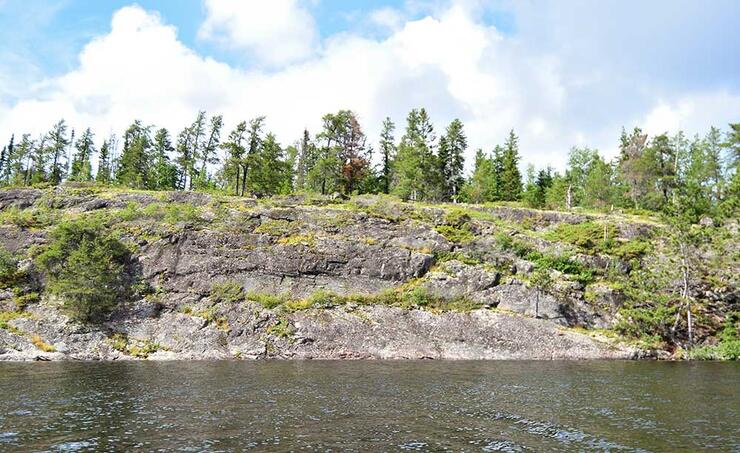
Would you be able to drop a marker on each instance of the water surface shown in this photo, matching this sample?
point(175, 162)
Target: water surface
point(362, 406)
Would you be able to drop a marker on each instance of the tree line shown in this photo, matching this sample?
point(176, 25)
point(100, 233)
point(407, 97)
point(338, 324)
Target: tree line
point(650, 173)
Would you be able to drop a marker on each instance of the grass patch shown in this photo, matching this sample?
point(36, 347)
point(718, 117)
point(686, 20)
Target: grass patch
point(269, 301)
point(281, 329)
point(306, 240)
point(229, 292)
point(277, 228)
point(28, 218)
point(562, 264)
point(7, 316)
point(41, 344)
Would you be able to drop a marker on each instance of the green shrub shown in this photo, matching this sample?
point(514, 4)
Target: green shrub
point(728, 347)
point(562, 264)
point(87, 267)
point(281, 329)
point(630, 250)
point(229, 292)
point(269, 301)
point(28, 218)
point(460, 235)
point(508, 243)
point(8, 269)
point(587, 235)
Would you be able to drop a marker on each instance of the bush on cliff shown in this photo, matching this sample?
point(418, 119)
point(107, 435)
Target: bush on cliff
point(86, 266)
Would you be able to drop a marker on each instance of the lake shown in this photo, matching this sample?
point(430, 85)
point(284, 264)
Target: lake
point(370, 406)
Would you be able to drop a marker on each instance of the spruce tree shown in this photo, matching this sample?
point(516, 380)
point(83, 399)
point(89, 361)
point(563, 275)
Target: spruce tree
point(451, 160)
point(510, 179)
point(135, 162)
point(58, 142)
point(163, 171)
point(234, 149)
point(388, 153)
point(81, 169)
point(5, 158)
point(104, 164)
point(207, 153)
point(416, 172)
point(306, 161)
point(481, 186)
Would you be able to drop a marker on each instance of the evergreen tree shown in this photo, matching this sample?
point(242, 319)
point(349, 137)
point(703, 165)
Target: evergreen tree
point(415, 167)
point(135, 163)
point(481, 187)
point(270, 174)
point(58, 142)
point(252, 160)
point(451, 159)
point(598, 189)
point(5, 157)
point(635, 167)
point(234, 149)
point(306, 161)
point(104, 164)
point(81, 161)
point(510, 179)
point(40, 155)
point(344, 157)
point(163, 171)
point(207, 153)
point(388, 153)
point(189, 145)
point(19, 162)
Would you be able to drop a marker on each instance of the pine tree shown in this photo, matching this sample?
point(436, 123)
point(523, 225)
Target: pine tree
point(343, 157)
point(5, 157)
point(81, 161)
point(104, 164)
point(207, 153)
point(58, 142)
point(270, 172)
point(163, 171)
point(306, 161)
point(40, 156)
point(234, 149)
point(451, 160)
point(388, 154)
point(415, 167)
point(510, 179)
point(189, 145)
point(20, 161)
point(252, 159)
point(634, 166)
point(481, 186)
point(135, 162)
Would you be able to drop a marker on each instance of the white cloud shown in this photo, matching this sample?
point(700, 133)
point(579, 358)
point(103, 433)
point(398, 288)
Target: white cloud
point(448, 62)
point(276, 32)
point(687, 112)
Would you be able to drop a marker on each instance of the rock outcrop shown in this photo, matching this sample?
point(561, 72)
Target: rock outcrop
point(186, 244)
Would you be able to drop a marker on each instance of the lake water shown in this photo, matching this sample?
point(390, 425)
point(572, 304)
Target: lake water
point(370, 406)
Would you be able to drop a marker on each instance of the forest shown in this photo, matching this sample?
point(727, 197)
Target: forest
point(694, 176)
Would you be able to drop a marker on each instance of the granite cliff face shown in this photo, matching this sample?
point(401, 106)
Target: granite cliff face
point(316, 279)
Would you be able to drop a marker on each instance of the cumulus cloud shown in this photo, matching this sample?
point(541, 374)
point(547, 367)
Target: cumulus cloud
point(448, 61)
point(275, 32)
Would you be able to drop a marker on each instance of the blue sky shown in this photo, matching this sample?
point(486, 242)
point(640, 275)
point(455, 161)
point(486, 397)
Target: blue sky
point(561, 73)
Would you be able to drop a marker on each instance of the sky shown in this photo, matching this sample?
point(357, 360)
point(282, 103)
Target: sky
point(560, 73)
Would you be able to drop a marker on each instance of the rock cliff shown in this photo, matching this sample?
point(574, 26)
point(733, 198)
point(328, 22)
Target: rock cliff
point(312, 278)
